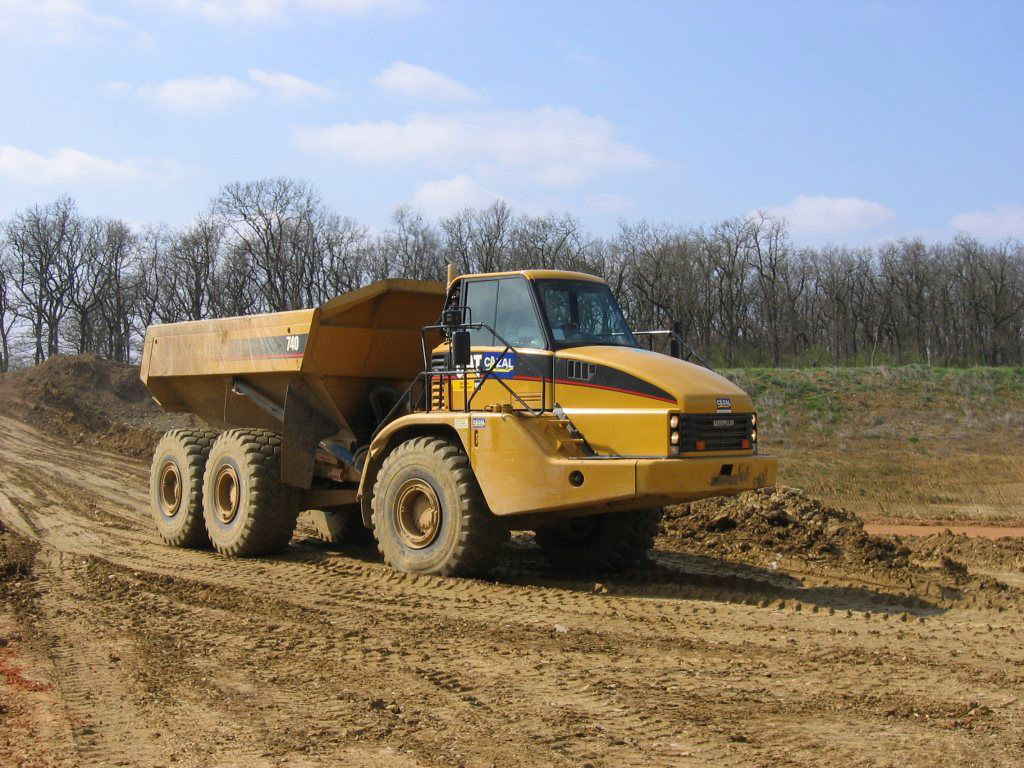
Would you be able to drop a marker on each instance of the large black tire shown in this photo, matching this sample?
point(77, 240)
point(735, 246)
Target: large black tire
point(176, 486)
point(608, 542)
point(248, 510)
point(429, 515)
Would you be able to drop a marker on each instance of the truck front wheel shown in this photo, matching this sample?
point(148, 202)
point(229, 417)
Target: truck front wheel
point(429, 515)
point(611, 541)
point(176, 486)
point(248, 510)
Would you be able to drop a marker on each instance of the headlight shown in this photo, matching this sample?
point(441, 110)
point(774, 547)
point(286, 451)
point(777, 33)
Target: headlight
point(673, 421)
point(753, 419)
point(674, 438)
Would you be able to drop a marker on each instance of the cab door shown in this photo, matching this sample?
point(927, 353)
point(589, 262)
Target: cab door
point(508, 306)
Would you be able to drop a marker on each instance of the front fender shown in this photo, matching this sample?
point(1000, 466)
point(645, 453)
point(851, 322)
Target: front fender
point(438, 423)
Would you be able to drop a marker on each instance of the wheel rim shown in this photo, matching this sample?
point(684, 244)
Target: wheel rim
point(170, 489)
point(417, 513)
point(226, 494)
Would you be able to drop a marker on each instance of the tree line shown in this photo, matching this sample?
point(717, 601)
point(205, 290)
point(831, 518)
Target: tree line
point(739, 291)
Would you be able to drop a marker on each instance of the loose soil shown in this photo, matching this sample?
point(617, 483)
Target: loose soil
point(910, 529)
point(90, 402)
point(818, 644)
point(771, 628)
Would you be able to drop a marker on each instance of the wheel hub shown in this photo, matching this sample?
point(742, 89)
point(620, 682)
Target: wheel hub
point(170, 489)
point(227, 494)
point(417, 513)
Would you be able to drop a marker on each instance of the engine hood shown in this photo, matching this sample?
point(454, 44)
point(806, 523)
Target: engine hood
point(653, 376)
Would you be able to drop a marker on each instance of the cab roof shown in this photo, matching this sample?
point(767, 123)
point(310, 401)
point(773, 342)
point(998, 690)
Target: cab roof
point(540, 274)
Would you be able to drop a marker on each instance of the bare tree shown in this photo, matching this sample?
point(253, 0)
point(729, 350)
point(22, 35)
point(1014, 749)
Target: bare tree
point(738, 290)
point(121, 280)
point(769, 255)
point(190, 266)
point(480, 240)
point(86, 293)
point(8, 314)
point(46, 245)
point(274, 224)
point(409, 248)
point(344, 256)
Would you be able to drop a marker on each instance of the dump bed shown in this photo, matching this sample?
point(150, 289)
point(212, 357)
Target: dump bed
point(334, 355)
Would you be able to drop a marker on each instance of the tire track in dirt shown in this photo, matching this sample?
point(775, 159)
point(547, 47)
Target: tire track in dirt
point(326, 658)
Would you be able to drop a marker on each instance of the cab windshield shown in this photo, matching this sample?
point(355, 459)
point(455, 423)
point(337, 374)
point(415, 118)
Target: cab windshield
point(583, 312)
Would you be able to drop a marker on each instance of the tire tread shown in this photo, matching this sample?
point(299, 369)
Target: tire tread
point(195, 444)
point(480, 533)
point(268, 526)
point(621, 540)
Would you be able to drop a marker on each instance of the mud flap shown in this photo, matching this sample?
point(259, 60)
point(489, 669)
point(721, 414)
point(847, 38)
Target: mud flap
point(305, 425)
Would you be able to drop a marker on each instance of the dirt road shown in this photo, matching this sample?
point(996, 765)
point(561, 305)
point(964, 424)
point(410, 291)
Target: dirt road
point(119, 651)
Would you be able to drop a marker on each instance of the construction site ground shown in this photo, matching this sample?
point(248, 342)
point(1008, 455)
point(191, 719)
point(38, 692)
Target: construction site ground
point(768, 629)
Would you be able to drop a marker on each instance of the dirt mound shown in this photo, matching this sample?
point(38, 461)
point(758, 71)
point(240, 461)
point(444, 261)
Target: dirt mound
point(89, 401)
point(948, 548)
point(763, 524)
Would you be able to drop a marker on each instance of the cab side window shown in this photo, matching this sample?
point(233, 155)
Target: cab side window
point(481, 297)
point(516, 318)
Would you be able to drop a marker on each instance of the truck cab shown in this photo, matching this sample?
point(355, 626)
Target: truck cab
point(558, 341)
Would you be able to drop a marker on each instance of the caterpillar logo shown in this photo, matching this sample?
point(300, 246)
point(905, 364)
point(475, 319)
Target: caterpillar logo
point(499, 366)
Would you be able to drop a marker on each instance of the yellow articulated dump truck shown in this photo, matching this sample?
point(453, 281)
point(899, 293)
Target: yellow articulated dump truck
point(438, 418)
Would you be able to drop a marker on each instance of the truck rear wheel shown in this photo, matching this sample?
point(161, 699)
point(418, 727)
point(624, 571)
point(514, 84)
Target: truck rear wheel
point(611, 541)
point(176, 486)
point(248, 510)
point(429, 515)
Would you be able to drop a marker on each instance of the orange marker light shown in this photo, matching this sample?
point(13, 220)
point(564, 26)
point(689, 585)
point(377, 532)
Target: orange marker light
point(745, 444)
point(700, 445)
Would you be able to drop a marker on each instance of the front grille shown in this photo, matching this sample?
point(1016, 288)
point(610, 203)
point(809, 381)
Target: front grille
point(719, 431)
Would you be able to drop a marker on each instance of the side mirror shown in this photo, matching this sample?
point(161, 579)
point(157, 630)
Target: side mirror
point(460, 349)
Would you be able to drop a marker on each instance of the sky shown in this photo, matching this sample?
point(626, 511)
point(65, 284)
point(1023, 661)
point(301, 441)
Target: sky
point(857, 121)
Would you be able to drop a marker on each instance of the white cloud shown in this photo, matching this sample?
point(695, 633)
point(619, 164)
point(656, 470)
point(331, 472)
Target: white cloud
point(999, 222)
point(215, 94)
point(197, 94)
point(550, 146)
point(290, 86)
point(72, 166)
point(447, 196)
point(422, 83)
point(266, 10)
point(831, 215)
point(611, 203)
point(55, 21)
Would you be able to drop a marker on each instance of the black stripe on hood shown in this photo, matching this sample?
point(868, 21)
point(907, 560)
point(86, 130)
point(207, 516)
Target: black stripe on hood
point(605, 377)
